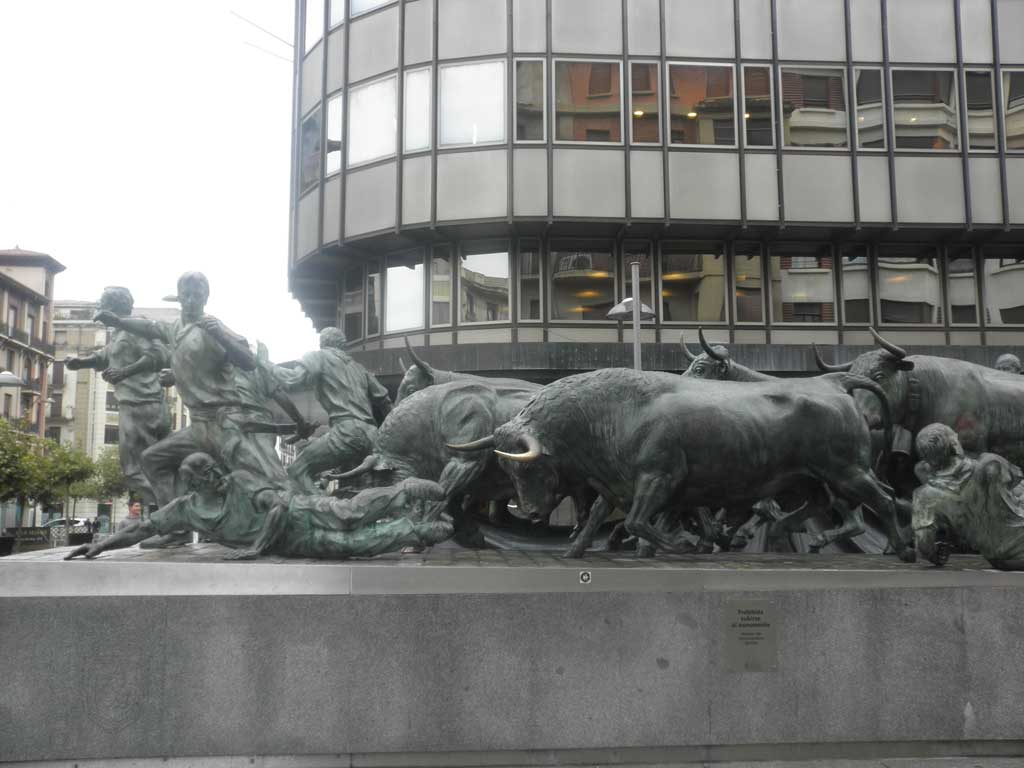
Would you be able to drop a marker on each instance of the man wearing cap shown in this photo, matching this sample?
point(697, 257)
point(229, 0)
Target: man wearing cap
point(204, 357)
point(356, 404)
point(131, 364)
point(1009, 363)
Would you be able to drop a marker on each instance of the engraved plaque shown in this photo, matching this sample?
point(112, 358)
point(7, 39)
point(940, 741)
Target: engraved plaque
point(751, 636)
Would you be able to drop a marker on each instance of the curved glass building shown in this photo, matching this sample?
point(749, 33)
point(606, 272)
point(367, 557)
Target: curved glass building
point(478, 175)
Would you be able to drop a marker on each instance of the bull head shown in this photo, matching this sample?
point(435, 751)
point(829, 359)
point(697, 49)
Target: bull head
point(419, 375)
point(829, 367)
point(713, 363)
point(532, 452)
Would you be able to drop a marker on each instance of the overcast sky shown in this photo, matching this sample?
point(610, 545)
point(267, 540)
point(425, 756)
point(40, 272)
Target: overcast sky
point(140, 139)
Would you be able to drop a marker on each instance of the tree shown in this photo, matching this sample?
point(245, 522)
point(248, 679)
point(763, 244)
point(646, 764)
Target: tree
point(110, 480)
point(53, 471)
point(16, 454)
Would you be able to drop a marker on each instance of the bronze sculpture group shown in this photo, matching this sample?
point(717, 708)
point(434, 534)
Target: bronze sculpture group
point(714, 458)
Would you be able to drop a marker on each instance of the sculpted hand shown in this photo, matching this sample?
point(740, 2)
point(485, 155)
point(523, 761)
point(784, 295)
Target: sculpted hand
point(418, 488)
point(166, 377)
point(114, 375)
point(107, 317)
point(88, 550)
point(303, 430)
point(211, 325)
point(72, 363)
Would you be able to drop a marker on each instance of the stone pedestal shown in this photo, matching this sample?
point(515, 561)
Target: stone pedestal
point(440, 658)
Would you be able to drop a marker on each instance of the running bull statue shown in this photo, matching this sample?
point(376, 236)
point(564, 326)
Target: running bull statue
point(718, 444)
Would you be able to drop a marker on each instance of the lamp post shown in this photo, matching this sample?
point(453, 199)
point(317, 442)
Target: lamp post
point(633, 307)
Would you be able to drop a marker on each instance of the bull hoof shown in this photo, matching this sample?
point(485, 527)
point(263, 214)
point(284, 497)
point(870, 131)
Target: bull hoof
point(645, 549)
point(573, 553)
point(908, 555)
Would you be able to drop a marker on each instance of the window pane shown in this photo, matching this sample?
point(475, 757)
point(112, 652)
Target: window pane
point(702, 104)
point(870, 109)
point(813, 107)
point(981, 116)
point(588, 101)
point(529, 281)
point(803, 290)
point(361, 6)
point(529, 101)
point(404, 308)
point(924, 109)
point(749, 288)
point(641, 252)
point(352, 304)
point(372, 299)
point(371, 121)
point(416, 110)
point(908, 286)
point(473, 103)
point(309, 150)
point(692, 284)
point(645, 104)
point(314, 22)
point(757, 106)
point(484, 286)
point(856, 276)
point(962, 287)
point(1013, 109)
point(332, 164)
point(582, 284)
point(337, 12)
point(1004, 288)
point(441, 287)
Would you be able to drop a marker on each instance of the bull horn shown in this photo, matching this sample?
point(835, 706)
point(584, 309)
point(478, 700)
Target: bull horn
point(532, 452)
point(707, 347)
point(828, 367)
point(686, 350)
point(401, 362)
point(888, 346)
point(416, 358)
point(368, 464)
point(476, 445)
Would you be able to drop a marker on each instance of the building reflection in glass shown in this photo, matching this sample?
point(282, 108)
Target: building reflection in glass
point(962, 287)
point(749, 299)
point(404, 307)
point(309, 150)
point(529, 100)
point(1004, 287)
point(855, 273)
point(870, 108)
point(588, 101)
point(702, 104)
point(529, 280)
point(924, 109)
point(638, 251)
point(484, 287)
point(814, 106)
point(803, 287)
point(372, 298)
point(1013, 109)
point(908, 286)
point(645, 112)
point(352, 304)
point(582, 282)
point(692, 283)
point(757, 106)
point(981, 115)
point(441, 286)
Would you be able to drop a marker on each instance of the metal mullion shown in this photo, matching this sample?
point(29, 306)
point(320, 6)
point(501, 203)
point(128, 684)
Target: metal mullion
point(777, 103)
point(456, 303)
point(323, 128)
point(626, 110)
point(981, 293)
point(740, 95)
point(965, 144)
point(399, 117)
point(545, 295)
point(890, 114)
point(729, 254)
point(435, 132)
point(513, 286)
point(666, 120)
point(837, 290)
point(293, 233)
point(510, 126)
point(549, 130)
point(997, 73)
point(947, 307)
point(343, 176)
point(851, 119)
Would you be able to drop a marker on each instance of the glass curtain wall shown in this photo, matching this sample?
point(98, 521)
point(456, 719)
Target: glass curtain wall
point(484, 283)
point(644, 101)
point(962, 286)
point(909, 288)
point(529, 281)
point(588, 101)
point(441, 286)
point(693, 283)
point(924, 109)
point(472, 103)
point(749, 280)
point(814, 106)
point(530, 100)
point(404, 290)
point(855, 277)
point(639, 251)
point(803, 285)
point(582, 280)
point(702, 104)
point(1004, 287)
point(352, 302)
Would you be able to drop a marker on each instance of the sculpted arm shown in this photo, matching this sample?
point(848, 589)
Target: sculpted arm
point(235, 347)
point(97, 360)
point(137, 326)
point(163, 520)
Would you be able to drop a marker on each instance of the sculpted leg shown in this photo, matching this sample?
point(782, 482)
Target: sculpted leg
point(853, 525)
point(598, 514)
point(456, 478)
point(652, 494)
point(860, 487)
point(160, 462)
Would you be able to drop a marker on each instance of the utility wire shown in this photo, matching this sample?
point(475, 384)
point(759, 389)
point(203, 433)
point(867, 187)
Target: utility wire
point(261, 29)
point(270, 53)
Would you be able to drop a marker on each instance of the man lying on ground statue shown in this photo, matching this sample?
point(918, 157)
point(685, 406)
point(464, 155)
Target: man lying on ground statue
point(980, 501)
point(258, 517)
point(356, 404)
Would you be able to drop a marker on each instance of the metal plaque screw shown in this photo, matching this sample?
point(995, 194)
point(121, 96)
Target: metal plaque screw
point(585, 577)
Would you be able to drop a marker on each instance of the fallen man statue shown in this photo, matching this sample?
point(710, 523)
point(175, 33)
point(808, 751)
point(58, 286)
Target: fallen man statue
point(978, 501)
point(256, 517)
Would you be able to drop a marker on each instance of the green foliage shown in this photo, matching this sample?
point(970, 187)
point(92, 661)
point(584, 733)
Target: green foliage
point(110, 480)
point(16, 448)
point(36, 469)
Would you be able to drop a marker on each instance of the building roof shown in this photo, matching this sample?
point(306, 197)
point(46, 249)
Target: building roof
point(20, 257)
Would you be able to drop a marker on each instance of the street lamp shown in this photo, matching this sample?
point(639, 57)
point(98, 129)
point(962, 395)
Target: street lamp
point(637, 310)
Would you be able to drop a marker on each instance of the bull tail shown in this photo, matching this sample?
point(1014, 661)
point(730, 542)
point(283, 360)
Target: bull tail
point(851, 382)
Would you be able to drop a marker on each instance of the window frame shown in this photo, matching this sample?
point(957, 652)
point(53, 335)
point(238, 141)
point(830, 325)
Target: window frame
point(453, 256)
point(320, 110)
point(721, 252)
point(956, 111)
point(846, 99)
point(330, 14)
point(994, 149)
point(340, 319)
point(747, 147)
point(555, 60)
point(388, 264)
point(307, 47)
point(348, 116)
point(439, 108)
point(669, 63)
point(428, 68)
point(587, 244)
point(771, 248)
point(997, 257)
point(656, 63)
point(540, 280)
point(841, 252)
point(459, 255)
point(885, 110)
point(544, 99)
point(380, 263)
point(947, 258)
point(338, 95)
point(1003, 104)
point(383, 4)
point(876, 288)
